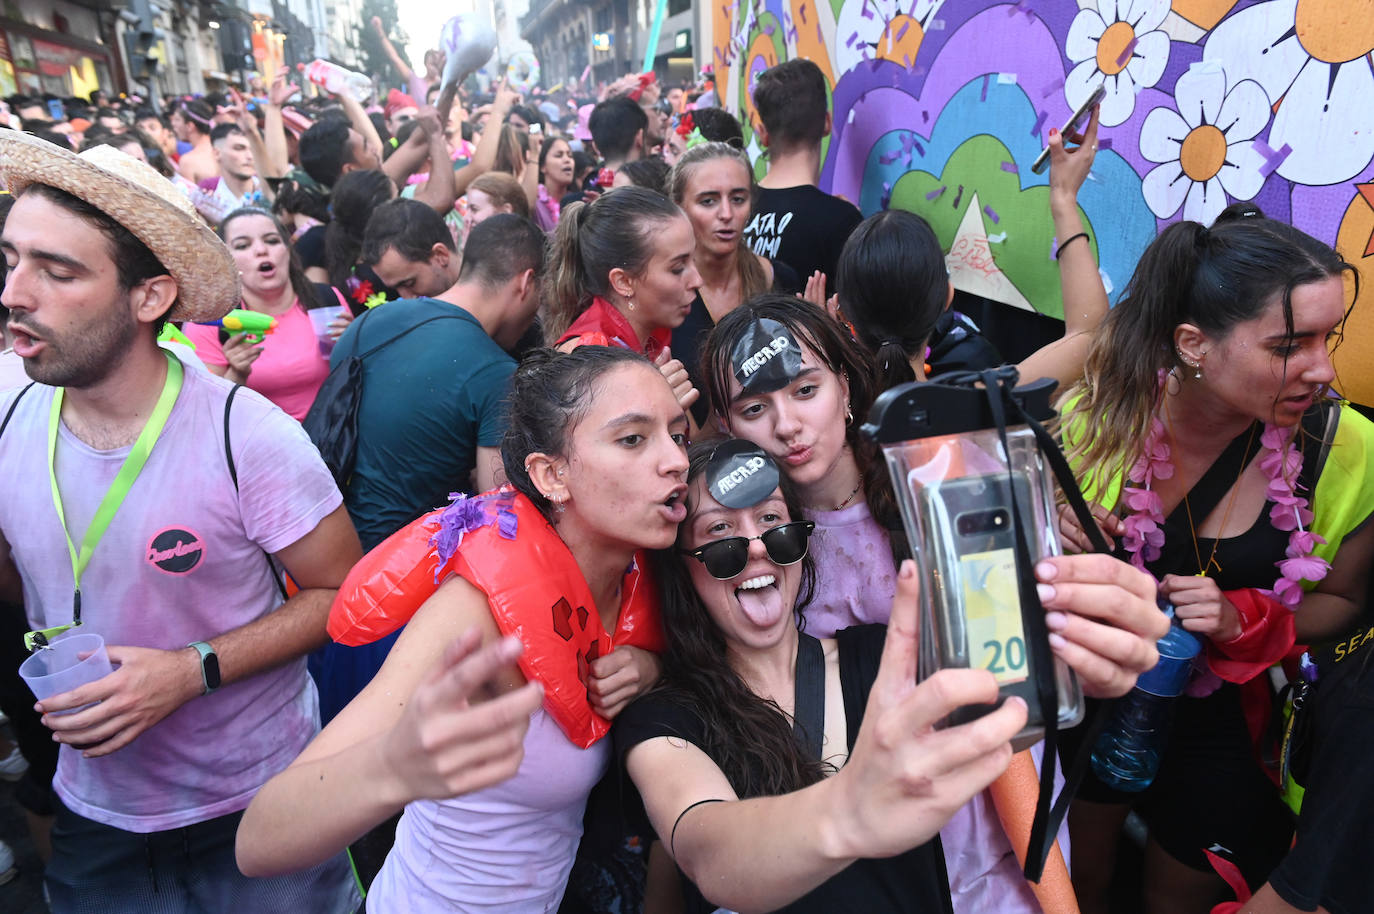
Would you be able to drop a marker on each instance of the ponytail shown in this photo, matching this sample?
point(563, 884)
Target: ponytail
point(1211, 278)
point(893, 286)
point(894, 365)
point(1120, 385)
point(565, 289)
point(613, 231)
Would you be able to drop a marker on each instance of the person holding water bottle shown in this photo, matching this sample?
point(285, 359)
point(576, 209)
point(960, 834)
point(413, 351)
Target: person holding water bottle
point(1229, 474)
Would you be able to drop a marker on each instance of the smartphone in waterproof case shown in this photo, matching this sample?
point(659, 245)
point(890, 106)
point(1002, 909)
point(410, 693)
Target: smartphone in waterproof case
point(979, 622)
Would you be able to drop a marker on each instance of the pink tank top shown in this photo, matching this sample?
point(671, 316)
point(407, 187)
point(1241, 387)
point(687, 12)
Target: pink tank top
point(506, 848)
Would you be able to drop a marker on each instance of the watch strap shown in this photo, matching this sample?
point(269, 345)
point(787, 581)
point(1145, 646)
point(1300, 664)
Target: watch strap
point(205, 650)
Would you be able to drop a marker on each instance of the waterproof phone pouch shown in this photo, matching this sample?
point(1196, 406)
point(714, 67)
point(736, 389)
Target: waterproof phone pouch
point(972, 496)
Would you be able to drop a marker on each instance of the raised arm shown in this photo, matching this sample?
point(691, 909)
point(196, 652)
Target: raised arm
point(420, 729)
point(439, 189)
point(1084, 295)
point(902, 782)
point(402, 67)
point(360, 122)
point(278, 160)
point(484, 154)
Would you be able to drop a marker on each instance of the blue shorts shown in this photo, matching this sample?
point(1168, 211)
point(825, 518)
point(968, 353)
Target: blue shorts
point(99, 869)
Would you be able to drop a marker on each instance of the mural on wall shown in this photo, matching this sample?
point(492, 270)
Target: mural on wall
point(941, 106)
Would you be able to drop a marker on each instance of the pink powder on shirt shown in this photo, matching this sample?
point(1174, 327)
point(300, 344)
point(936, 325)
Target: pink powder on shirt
point(290, 370)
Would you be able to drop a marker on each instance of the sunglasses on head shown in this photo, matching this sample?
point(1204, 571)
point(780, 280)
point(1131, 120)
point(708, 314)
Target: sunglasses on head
point(785, 544)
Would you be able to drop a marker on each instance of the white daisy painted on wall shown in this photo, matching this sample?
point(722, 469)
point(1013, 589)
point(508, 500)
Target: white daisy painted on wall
point(1313, 59)
point(1206, 148)
point(1119, 44)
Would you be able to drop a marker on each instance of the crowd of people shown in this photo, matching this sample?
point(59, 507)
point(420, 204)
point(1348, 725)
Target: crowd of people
point(472, 494)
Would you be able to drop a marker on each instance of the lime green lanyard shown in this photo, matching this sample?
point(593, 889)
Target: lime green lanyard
point(114, 497)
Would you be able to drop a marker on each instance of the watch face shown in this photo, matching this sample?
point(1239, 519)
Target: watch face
point(210, 665)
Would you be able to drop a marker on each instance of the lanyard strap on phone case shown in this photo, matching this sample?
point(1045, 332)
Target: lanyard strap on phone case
point(114, 496)
point(998, 385)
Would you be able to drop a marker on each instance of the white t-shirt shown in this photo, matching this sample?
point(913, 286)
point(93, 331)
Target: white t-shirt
point(182, 561)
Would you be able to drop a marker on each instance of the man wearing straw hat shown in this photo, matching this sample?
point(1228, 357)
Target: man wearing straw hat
point(140, 501)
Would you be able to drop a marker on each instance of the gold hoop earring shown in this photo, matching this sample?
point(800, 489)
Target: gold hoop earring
point(848, 415)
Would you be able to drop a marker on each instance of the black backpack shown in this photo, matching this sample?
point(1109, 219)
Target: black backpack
point(332, 422)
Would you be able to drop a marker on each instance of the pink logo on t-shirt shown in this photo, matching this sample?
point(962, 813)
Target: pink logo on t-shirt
point(176, 551)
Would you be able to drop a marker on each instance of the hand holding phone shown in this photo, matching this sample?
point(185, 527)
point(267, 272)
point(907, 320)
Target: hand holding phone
point(1043, 160)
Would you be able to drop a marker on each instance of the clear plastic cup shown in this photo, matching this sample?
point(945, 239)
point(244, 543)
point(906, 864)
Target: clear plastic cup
point(320, 319)
point(59, 668)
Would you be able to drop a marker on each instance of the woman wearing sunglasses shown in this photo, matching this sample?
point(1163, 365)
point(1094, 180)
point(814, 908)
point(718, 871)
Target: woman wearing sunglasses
point(781, 373)
point(821, 751)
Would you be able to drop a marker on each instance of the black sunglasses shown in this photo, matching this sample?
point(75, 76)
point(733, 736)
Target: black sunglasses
point(724, 559)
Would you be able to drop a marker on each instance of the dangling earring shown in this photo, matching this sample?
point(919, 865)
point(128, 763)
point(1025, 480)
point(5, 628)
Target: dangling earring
point(632, 303)
point(848, 414)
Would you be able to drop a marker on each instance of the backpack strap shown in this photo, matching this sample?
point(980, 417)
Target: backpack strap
point(4, 423)
point(234, 475)
point(428, 320)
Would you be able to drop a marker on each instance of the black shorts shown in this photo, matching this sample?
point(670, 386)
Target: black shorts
point(1330, 863)
point(1210, 792)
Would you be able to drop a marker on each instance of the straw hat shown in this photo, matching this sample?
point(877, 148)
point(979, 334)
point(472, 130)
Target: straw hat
point(145, 203)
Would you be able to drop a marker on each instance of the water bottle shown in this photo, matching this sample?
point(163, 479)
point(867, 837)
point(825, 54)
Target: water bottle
point(334, 78)
point(1127, 753)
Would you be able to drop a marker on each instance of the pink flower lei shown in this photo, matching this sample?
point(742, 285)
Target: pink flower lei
point(1281, 464)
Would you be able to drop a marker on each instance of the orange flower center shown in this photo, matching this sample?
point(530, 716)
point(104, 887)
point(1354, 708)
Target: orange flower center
point(1336, 31)
point(1111, 48)
point(1204, 152)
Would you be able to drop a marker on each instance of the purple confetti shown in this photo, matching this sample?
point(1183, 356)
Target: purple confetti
point(901, 33)
point(919, 148)
point(888, 158)
point(1011, 168)
point(853, 37)
point(925, 117)
point(992, 214)
point(987, 78)
point(792, 34)
point(820, 35)
point(1104, 143)
point(769, 29)
point(1051, 88)
point(1126, 53)
point(865, 11)
point(935, 193)
point(959, 196)
point(908, 140)
point(802, 9)
point(1039, 122)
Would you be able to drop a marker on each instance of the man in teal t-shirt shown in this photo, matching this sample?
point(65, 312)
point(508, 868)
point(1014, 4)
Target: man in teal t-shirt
point(433, 406)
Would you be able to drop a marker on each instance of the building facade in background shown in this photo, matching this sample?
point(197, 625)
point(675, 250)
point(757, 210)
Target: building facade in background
point(601, 40)
point(159, 48)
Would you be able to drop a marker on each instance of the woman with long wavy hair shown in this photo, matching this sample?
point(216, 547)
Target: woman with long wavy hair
point(713, 183)
point(1231, 478)
point(820, 751)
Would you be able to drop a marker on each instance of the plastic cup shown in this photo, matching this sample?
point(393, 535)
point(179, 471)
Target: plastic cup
point(59, 668)
point(320, 319)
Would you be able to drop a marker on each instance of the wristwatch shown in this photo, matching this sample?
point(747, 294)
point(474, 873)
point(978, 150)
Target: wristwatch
point(209, 665)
